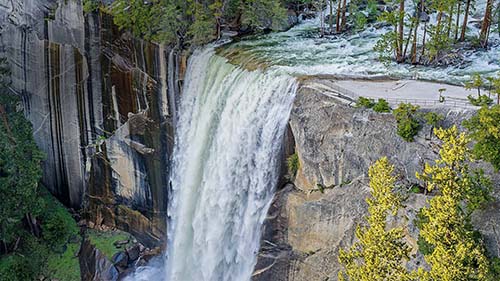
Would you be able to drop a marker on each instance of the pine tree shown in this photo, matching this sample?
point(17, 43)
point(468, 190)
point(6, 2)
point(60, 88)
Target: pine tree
point(484, 128)
point(380, 252)
point(457, 254)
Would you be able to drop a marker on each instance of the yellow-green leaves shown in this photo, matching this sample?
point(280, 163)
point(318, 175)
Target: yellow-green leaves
point(380, 252)
point(457, 254)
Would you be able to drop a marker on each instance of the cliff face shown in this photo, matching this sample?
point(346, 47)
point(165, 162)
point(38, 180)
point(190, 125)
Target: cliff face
point(336, 144)
point(102, 105)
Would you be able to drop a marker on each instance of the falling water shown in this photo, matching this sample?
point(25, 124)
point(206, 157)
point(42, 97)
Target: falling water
point(225, 169)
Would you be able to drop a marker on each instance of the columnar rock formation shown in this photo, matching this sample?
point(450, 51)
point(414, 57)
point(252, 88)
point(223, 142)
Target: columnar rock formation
point(102, 106)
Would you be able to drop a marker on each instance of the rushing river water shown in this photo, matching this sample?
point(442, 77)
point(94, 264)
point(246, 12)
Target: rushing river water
point(225, 169)
point(301, 51)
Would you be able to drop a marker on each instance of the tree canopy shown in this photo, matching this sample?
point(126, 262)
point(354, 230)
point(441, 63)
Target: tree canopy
point(484, 128)
point(380, 252)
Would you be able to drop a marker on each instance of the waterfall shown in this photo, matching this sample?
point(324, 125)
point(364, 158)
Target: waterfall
point(225, 168)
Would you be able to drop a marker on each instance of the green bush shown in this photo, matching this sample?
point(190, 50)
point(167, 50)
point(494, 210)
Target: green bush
point(484, 128)
point(424, 247)
point(90, 6)
point(365, 102)
point(480, 101)
point(293, 164)
point(382, 106)
point(494, 268)
point(408, 124)
point(58, 226)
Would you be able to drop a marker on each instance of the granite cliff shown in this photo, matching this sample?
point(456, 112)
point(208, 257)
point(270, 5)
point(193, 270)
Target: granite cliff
point(336, 143)
point(102, 105)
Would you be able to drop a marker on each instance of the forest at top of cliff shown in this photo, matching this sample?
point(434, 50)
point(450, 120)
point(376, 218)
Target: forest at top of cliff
point(367, 35)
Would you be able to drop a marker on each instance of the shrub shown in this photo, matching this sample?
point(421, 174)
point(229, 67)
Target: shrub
point(480, 101)
point(365, 102)
point(382, 106)
point(484, 128)
point(408, 124)
point(424, 247)
point(293, 164)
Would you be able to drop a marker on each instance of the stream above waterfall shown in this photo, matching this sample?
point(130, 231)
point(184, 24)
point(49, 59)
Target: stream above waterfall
point(301, 51)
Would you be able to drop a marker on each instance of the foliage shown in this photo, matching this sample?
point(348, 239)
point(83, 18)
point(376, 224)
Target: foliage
point(293, 164)
point(480, 101)
point(382, 106)
point(65, 266)
point(424, 247)
point(380, 252)
point(20, 168)
point(56, 259)
point(194, 22)
point(261, 14)
point(58, 226)
point(365, 102)
point(408, 125)
point(433, 119)
point(484, 128)
point(457, 254)
point(90, 6)
point(476, 82)
point(104, 241)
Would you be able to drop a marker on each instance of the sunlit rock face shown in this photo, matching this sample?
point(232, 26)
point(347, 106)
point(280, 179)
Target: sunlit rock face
point(336, 144)
point(102, 106)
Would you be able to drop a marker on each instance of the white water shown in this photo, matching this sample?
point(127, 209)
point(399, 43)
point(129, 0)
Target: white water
point(301, 51)
point(225, 168)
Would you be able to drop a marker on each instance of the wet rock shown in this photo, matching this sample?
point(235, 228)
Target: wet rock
point(94, 265)
point(134, 252)
point(120, 259)
point(121, 243)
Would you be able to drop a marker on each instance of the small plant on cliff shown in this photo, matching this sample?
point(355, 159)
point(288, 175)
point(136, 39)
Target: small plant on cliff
point(90, 6)
point(482, 100)
point(454, 251)
point(365, 102)
point(381, 251)
point(433, 119)
point(382, 106)
point(408, 124)
point(293, 164)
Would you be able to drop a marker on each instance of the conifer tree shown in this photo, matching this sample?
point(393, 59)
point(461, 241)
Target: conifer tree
point(380, 252)
point(484, 128)
point(457, 254)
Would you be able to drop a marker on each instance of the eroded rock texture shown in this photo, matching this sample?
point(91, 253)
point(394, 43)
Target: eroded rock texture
point(102, 105)
point(336, 144)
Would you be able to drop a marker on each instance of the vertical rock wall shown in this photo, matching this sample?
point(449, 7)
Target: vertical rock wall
point(102, 106)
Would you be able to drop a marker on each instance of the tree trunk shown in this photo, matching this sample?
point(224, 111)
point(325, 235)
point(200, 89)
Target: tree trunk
point(330, 20)
point(483, 37)
point(423, 40)
point(339, 10)
point(414, 44)
point(344, 19)
point(450, 21)
point(400, 57)
point(457, 23)
point(466, 18)
point(409, 38)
